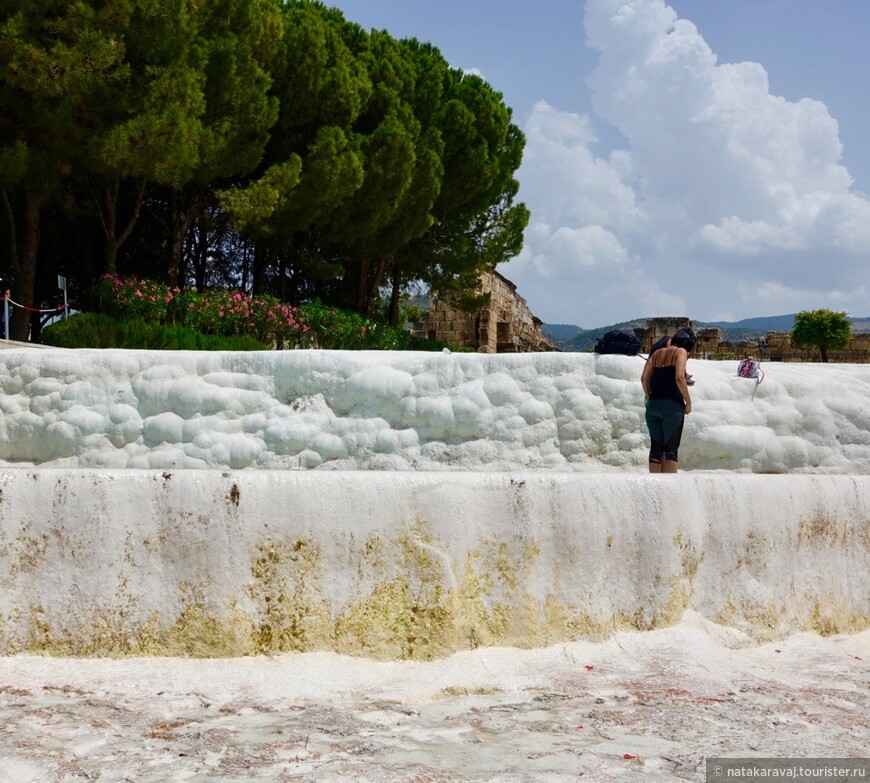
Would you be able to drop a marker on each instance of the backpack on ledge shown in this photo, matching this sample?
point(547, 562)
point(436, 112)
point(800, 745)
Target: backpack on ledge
point(618, 342)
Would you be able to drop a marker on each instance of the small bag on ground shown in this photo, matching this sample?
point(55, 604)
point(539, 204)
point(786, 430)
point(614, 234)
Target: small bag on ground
point(750, 368)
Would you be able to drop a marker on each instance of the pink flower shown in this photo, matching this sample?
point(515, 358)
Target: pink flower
point(139, 294)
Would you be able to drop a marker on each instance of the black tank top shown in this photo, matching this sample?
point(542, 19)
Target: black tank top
point(663, 384)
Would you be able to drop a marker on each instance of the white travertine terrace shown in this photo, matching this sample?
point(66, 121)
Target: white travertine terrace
point(342, 410)
point(157, 503)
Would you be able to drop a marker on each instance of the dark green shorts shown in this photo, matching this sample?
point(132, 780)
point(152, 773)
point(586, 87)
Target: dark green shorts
point(664, 420)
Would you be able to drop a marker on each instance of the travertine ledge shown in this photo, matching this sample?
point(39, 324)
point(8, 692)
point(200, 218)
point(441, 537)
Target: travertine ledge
point(407, 411)
point(416, 565)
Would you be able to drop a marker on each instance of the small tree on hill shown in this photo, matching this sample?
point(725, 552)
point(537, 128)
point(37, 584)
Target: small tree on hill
point(822, 329)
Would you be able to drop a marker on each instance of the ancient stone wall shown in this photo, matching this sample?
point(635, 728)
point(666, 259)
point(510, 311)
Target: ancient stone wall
point(504, 325)
point(709, 340)
point(773, 347)
point(777, 347)
point(656, 328)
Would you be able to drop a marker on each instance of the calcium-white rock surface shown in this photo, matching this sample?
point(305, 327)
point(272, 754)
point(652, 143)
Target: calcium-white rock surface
point(340, 410)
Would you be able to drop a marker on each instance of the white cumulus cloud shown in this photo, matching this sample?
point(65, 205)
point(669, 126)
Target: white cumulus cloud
point(725, 200)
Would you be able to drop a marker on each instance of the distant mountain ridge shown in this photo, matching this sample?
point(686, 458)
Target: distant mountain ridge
point(569, 337)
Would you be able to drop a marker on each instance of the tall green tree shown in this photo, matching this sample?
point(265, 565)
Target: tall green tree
point(141, 126)
point(309, 166)
point(477, 224)
point(14, 160)
point(402, 151)
point(235, 41)
point(54, 58)
point(822, 329)
point(384, 158)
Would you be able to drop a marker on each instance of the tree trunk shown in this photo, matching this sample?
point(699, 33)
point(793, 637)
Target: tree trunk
point(395, 293)
point(109, 214)
point(245, 264)
point(282, 276)
point(293, 286)
point(178, 228)
point(362, 274)
point(13, 241)
point(824, 352)
point(261, 264)
point(369, 290)
point(25, 281)
point(175, 235)
point(200, 262)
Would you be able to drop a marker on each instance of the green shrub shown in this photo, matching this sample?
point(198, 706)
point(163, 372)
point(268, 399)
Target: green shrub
point(90, 330)
point(265, 320)
point(425, 344)
point(217, 312)
point(334, 328)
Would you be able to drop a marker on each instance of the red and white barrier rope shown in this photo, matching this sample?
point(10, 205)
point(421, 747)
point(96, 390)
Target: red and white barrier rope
point(58, 309)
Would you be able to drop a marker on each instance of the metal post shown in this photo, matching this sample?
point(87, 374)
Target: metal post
point(6, 318)
point(61, 284)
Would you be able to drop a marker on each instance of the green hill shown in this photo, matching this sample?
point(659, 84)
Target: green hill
point(585, 339)
point(568, 337)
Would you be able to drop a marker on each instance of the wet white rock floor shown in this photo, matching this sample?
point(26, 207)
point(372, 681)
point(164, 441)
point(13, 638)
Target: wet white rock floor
point(640, 706)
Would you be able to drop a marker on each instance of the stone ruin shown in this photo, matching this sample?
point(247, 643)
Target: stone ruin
point(504, 325)
point(773, 347)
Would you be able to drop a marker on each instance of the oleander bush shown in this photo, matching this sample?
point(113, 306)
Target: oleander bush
point(233, 313)
point(129, 298)
point(217, 312)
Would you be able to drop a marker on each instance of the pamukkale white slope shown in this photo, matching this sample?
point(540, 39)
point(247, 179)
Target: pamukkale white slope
point(445, 508)
point(340, 410)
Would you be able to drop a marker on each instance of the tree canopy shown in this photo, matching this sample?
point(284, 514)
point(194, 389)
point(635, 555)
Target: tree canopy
point(273, 143)
point(822, 329)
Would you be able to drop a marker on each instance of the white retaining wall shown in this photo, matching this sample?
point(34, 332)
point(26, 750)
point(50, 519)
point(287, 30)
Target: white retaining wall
point(416, 565)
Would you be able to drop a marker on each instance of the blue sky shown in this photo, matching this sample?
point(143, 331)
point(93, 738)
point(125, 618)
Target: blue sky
point(695, 157)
